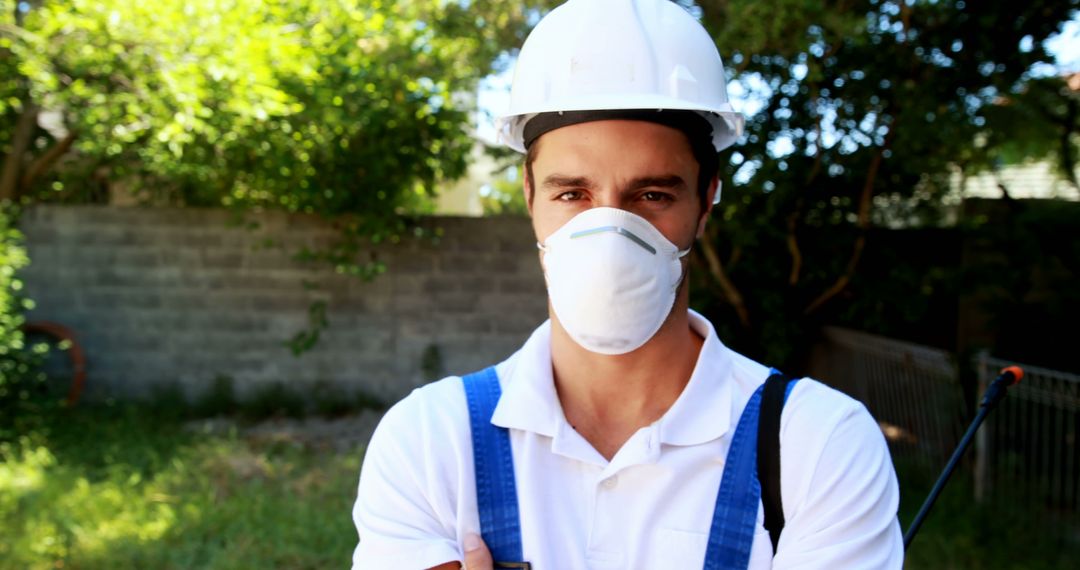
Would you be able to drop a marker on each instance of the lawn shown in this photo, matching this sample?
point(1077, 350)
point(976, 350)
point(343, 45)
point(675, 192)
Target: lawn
point(122, 486)
point(960, 534)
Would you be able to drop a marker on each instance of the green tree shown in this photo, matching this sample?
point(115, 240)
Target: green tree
point(350, 109)
point(868, 108)
point(342, 107)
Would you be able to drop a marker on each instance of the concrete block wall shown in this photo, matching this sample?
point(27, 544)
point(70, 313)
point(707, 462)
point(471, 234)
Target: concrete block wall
point(162, 297)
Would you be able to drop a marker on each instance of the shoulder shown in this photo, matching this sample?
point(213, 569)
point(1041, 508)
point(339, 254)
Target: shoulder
point(812, 404)
point(430, 426)
point(435, 410)
point(823, 430)
point(811, 408)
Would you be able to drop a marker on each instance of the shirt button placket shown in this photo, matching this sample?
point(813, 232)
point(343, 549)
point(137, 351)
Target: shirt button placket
point(603, 551)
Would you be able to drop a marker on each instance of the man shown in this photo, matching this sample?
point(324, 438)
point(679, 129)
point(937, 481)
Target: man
point(624, 413)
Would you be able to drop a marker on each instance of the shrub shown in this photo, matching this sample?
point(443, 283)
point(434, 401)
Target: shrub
point(22, 384)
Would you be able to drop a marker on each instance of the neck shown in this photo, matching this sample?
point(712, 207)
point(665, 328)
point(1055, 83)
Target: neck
point(608, 398)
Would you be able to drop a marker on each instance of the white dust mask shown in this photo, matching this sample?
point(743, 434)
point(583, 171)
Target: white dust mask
point(611, 276)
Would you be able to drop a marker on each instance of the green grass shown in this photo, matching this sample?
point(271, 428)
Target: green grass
point(999, 534)
point(124, 487)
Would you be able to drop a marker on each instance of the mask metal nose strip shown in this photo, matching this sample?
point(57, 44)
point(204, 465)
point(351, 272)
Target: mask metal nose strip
point(615, 229)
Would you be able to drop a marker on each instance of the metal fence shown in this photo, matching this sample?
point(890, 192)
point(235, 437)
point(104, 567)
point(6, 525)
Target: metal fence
point(1028, 450)
point(911, 390)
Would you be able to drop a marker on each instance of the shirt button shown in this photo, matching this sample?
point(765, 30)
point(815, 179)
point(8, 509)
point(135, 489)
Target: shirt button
point(610, 482)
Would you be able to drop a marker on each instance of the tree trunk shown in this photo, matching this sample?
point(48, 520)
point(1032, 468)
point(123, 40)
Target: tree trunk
point(24, 130)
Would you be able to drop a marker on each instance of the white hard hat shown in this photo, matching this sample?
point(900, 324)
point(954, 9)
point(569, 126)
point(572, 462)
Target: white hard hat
point(593, 55)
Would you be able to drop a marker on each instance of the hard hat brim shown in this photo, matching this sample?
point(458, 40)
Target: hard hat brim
point(727, 123)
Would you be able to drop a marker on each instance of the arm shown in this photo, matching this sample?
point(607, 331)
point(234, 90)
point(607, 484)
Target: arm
point(844, 514)
point(412, 483)
point(477, 556)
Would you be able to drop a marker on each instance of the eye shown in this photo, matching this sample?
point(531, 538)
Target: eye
point(570, 196)
point(656, 196)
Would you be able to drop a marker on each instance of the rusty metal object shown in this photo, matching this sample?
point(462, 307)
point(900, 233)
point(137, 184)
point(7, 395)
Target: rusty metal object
point(75, 354)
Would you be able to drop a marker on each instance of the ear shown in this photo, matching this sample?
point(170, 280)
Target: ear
point(526, 189)
point(714, 187)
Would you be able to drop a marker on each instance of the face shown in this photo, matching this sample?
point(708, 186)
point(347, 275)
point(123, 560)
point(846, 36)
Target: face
point(644, 168)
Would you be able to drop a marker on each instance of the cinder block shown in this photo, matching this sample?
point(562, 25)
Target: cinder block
point(462, 263)
point(474, 242)
point(441, 285)
point(456, 303)
point(511, 264)
point(139, 257)
point(104, 235)
point(482, 285)
point(519, 324)
point(180, 257)
point(218, 259)
point(196, 300)
point(38, 233)
point(416, 263)
point(202, 239)
point(522, 285)
point(269, 259)
point(118, 299)
point(515, 244)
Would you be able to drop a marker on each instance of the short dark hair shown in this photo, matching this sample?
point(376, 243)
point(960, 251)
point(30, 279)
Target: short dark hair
point(707, 158)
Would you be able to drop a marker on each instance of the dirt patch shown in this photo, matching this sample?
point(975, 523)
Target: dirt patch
point(340, 435)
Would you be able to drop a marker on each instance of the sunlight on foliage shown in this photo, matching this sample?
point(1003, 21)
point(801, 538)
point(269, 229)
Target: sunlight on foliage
point(170, 499)
point(347, 107)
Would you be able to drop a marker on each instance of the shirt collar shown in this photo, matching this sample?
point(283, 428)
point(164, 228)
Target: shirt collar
point(701, 413)
point(529, 401)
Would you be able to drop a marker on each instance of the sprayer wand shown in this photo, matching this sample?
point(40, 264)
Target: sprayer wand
point(994, 394)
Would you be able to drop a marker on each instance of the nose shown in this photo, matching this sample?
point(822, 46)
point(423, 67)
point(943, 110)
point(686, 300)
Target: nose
point(611, 198)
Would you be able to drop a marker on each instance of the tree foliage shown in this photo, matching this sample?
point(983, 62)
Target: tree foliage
point(21, 383)
point(868, 108)
point(341, 107)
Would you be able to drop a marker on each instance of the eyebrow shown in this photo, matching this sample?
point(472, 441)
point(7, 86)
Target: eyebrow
point(664, 181)
point(563, 181)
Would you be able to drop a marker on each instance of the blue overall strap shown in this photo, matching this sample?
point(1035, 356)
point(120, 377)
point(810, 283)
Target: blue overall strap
point(731, 535)
point(496, 495)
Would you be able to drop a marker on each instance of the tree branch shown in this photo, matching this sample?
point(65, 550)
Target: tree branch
point(45, 161)
point(866, 200)
point(842, 282)
point(793, 245)
point(716, 269)
point(793, 219)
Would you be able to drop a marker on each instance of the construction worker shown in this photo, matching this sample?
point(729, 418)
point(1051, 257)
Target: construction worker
point(624, 434)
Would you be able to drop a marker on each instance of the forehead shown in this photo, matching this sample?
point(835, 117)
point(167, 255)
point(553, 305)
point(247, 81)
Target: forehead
point(621, 144)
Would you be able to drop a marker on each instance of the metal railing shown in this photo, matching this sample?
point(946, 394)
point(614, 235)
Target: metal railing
point(1031, 448)
point(911, 390)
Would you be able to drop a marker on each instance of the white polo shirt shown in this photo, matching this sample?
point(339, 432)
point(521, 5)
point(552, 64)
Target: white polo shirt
point(651, 506)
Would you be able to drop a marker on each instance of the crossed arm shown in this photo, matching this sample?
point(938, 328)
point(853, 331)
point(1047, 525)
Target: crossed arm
point(478, 558)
